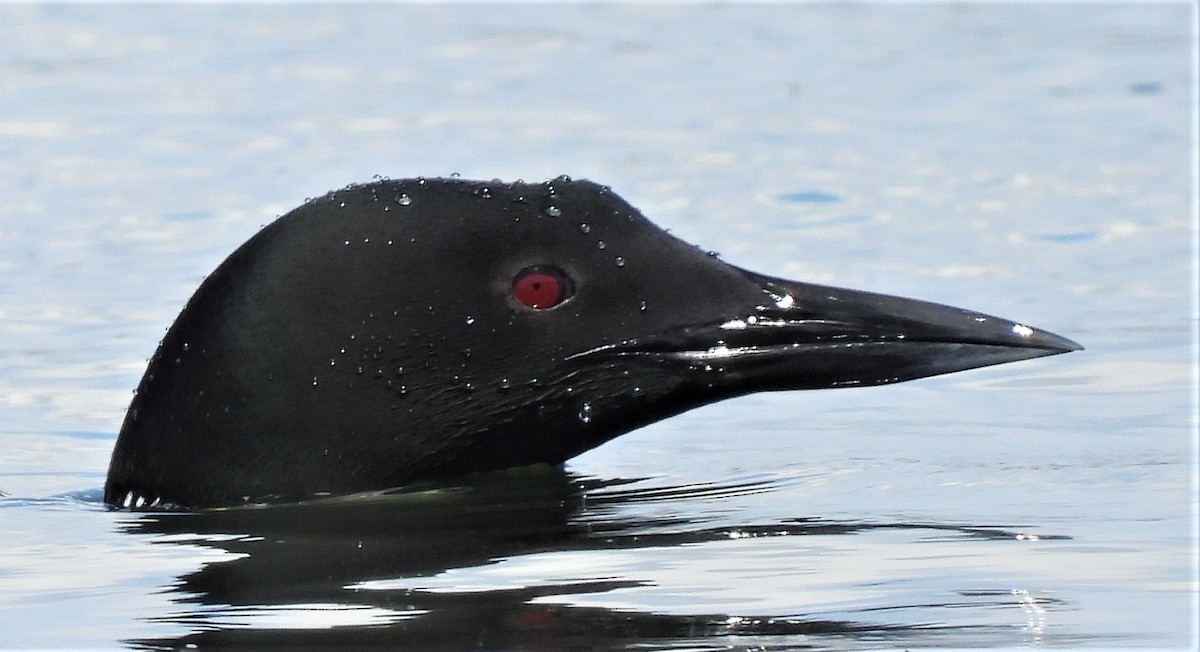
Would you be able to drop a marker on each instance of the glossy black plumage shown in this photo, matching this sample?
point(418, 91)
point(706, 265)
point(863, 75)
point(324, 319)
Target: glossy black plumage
point(371, 338)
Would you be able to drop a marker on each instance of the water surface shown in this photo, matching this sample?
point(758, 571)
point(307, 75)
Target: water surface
point(1030, 161)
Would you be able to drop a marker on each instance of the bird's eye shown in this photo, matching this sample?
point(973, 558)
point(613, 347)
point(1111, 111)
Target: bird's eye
point(541, 287)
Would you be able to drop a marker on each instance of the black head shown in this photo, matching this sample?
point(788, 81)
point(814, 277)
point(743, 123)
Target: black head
point(412, 330)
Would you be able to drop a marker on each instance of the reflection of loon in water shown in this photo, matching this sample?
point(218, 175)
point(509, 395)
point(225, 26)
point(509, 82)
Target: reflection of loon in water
point(371, 564)
point(405, 331)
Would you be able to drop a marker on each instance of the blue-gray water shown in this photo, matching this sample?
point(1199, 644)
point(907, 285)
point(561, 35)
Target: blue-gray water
point(1034, 161)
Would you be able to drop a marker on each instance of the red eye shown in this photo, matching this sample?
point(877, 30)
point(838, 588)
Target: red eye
point(541, 287)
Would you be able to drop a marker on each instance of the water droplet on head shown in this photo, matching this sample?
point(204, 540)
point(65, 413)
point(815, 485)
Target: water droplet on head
point(585, 228)
point(601, 244)
point(403, 199)
point(505, 383)
point(585, 413)
point(620, 261)
point(470, 320)
point(552, 211)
